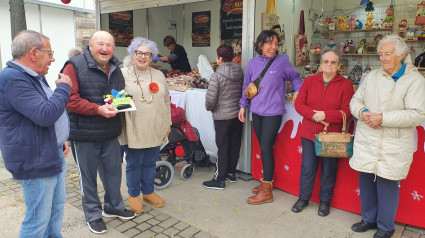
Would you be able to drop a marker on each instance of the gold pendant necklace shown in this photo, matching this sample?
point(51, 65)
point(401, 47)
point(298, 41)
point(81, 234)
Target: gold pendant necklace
point(143, 98)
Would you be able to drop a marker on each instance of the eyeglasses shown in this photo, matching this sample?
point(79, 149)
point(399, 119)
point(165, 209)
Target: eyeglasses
point(332, 62)
point(140, 54)
point(50, 52)
point(385, 55)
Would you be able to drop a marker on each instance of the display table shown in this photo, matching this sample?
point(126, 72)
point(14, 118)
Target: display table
point(193, 101)
point(288, 150)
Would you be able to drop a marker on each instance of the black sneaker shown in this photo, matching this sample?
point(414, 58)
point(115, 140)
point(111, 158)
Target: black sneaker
point(231, 178)
point(97, 226)
point(125, 215)
point(214, 184)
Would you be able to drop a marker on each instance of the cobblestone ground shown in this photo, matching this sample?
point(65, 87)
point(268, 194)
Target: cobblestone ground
point(150, 224)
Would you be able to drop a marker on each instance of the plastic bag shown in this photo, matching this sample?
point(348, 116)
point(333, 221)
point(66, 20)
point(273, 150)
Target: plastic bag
point(204, 67)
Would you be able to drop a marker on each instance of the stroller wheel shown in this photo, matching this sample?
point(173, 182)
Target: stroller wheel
point(164, 174)
point(187, 171)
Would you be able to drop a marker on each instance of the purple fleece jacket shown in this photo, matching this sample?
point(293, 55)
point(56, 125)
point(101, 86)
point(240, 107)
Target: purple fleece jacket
point(270, 101)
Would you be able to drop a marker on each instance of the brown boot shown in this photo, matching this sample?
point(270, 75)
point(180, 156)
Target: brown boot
point(256, 190)
point(135, 204)
point(264, 195)
point(153, 199)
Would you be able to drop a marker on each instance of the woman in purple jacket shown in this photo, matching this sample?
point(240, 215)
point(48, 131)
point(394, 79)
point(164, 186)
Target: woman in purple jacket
point(268, 106)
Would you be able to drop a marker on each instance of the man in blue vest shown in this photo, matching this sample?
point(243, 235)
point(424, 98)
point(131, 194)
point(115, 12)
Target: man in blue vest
point(33, 132)
point(95, 128)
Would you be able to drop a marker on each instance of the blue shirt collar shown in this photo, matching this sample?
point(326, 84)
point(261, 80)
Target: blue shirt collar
point(400, 72)
point(26, 69)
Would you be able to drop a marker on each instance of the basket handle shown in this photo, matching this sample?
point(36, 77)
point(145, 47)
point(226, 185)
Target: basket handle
point(344, 122)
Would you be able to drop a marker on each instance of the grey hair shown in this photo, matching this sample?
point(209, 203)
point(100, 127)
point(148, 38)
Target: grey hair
point(330, 50)
point(140, 41)
point(74, 52)
point(25, 41)
point(400, 46)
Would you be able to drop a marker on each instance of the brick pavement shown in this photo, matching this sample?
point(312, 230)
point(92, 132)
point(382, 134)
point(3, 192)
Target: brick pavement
point(152, 223)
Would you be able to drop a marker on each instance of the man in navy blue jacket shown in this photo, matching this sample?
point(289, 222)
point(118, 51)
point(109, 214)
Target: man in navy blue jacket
point(33, 132)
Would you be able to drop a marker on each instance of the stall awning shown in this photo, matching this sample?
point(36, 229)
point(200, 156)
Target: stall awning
point(107, 6)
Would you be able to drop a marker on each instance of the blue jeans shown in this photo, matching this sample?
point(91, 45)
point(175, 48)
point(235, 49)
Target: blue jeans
point(45, 199)
point(140, 170)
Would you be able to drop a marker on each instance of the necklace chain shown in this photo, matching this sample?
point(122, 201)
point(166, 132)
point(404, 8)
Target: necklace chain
point(143, 99)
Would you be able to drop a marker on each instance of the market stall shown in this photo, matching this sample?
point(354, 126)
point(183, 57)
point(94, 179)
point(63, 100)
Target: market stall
point(288, 151)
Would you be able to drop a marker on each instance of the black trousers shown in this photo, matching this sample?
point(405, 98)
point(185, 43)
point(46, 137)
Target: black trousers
point(309, 167)
point(228, 134)
point(266, 129)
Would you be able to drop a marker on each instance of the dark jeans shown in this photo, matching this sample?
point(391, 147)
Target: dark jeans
point(266, 129)
point(228, 135)
point(309, 166)
point(379, 200)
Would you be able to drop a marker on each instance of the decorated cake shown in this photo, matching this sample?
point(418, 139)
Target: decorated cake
point(120, 100)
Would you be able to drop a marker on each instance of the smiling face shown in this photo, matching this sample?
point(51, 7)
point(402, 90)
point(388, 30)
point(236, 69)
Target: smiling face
point(329, 64)
point(142, 58)
point(270, 47)
point(102, 47)
point(43, 60)
point(390, 62)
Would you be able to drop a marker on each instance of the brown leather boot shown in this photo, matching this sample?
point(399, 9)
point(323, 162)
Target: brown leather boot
point(256, 190)
point(264, 195)
point(153, 199)
point(135, 204)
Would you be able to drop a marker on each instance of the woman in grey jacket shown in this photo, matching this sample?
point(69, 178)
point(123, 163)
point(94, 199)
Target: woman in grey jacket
point(222, 99)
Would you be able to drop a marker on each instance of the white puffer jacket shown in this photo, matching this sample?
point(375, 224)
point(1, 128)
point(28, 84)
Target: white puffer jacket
point(388, 152)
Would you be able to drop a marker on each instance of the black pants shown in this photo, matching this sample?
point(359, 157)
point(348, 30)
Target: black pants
point(228, 135)
point(266, 129)
point(309, 167)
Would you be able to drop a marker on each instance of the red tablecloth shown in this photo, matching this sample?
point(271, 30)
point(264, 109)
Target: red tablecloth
point(288, 150)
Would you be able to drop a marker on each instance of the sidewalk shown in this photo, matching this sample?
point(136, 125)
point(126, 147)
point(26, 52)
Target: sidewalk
point(192, 211)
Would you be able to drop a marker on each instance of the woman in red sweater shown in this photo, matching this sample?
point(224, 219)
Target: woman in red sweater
point(319, 102)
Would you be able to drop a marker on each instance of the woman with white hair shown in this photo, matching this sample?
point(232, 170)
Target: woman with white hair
point(389, 104)
point(144, 129)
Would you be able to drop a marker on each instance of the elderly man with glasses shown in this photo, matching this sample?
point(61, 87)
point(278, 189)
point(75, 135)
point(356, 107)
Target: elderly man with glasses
point(389, 104)
point(34, 131)
point(95, 128)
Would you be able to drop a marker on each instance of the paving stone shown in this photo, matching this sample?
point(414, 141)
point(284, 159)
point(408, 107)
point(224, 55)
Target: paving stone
point(72, 200)
point(154, 212)
point(146, 234)
point(423, 236)
point(142, 218)
point(410, 234)
point(169, 222)
point(132, 232)
point(114, 223)
point(171, 232)
point(153, 221)
point(143, 226)
point(189, 232)
point(157, 229)
point(416, 229)
point(181, 225)
point(162, 236)
point(126, 226)
point(147, 208)
point(162, 217)
point(203, 234)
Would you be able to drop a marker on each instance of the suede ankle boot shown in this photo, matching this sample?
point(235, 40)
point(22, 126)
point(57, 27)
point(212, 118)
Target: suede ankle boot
point(154, 200)
point(264, 195)
point(135, 204)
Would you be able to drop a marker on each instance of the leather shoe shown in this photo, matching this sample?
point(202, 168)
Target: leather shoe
point(383, 234)
point(323, 209)
point(299, 205)
point(363, 226)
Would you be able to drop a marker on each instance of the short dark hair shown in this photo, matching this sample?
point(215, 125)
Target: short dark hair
point(264, 37)
point(225, 52)
point(169, 40)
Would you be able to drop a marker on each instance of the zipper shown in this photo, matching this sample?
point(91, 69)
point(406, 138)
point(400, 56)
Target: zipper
point(320, 105)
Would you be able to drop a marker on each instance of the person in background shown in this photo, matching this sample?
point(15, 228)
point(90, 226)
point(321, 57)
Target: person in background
point(34, 131)
point(388, 105)
point(144, 130)
point(95, 129)
point(177, 58)
point(222, 99)
point(319, 102)
point(74, 52)
point(269, 105)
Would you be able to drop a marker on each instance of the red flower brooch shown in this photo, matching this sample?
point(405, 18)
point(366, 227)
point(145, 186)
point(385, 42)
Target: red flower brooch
point(153, 87)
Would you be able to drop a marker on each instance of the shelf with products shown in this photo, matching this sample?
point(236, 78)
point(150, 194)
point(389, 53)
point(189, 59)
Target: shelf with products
point(362, 30)
point(352, 54)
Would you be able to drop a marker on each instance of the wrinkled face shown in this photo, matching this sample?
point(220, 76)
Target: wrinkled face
point(329, 64)
point(171, 47)
point(389, 60)
point(142, 57)
point(102, 47)
point(44, 58)
point(269, 48)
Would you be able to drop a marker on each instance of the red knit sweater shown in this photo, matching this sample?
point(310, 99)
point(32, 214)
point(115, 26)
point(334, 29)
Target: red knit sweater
point(314, 96)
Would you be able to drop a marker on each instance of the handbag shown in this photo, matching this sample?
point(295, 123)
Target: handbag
point(254, 87)
point(334, 144)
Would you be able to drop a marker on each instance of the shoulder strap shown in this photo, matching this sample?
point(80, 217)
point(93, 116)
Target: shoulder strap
point(266, 68)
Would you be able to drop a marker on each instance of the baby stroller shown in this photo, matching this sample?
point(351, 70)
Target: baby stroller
point(183, 145)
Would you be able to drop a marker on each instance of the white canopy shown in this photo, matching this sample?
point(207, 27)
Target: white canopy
point(107, 6)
